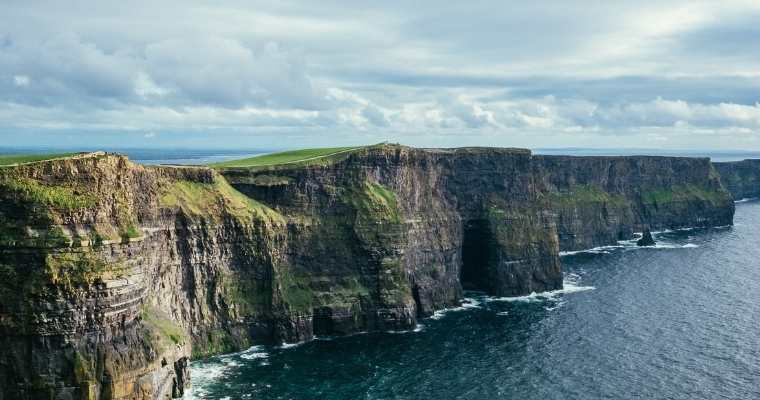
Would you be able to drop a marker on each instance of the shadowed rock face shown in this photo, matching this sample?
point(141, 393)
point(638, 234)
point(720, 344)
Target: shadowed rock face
point(741, 178)
point(113, 274)
point(646, 239)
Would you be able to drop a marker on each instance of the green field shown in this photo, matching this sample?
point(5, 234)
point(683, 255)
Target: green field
point(285, 157)
point(11, 159)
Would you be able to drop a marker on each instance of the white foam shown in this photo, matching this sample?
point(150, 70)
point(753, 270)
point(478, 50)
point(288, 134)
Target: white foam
point(630, 244)
point(254, 353)
point(502, 313)
point(746, 199)
point(417, 328)
point(285, 346)
point(570, 286)
point(208, 372)
point(595, 250)
point(558, 305)
point(468, 303)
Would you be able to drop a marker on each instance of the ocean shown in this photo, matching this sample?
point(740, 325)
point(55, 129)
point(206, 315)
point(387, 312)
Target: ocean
point(678, 321)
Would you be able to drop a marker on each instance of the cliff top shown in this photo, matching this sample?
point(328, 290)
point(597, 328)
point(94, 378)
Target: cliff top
point(318, 156)
point(286, 157)
point(18, 159)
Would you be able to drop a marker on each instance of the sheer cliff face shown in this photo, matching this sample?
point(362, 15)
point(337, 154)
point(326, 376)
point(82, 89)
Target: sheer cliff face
point(112, 275)
point(110, 272)
point(741, 178)
point(600, 200)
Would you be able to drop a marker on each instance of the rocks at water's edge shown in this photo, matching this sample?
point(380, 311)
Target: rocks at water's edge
point(113, 275)
point(646, 239)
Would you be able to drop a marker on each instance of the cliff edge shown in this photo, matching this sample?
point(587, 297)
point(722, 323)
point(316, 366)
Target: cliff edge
point(113, 275)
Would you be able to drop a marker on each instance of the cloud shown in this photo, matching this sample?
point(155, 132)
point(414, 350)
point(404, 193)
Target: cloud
point(478, 73)
point(375, 116)
point(21, 80)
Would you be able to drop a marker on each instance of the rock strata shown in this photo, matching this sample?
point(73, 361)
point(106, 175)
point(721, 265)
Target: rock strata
point(113, 275)
point(741, 178)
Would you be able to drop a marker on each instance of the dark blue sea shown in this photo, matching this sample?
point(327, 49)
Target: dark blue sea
point(679, 321)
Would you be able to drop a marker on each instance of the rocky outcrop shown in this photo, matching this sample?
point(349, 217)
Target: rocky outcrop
point(113, 275)
point(741, 178)
point(646, 239)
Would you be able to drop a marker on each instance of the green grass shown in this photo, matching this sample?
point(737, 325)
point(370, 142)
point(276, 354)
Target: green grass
point(57, 196)
point(12, 159)
point(285, 157)
point(688, 192)
point(584, 194)
point(374, 202)
point(211, 199)
point(164, 332)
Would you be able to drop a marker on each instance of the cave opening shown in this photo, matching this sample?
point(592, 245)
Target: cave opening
point(476, 256)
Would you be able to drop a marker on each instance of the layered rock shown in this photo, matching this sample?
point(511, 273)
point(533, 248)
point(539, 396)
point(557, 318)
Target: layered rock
point(741, 178)
point(112, 275)
point(600, 200)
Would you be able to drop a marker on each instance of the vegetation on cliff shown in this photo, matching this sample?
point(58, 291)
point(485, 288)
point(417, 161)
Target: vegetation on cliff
point(287, 157)
point(212, 200)
point(585, 194)
point(685, 193)
point(14, 159)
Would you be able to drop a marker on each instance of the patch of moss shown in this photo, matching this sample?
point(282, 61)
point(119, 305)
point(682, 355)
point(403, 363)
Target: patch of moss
point(216, 341)
point(374, 201)
point(59, 197)
point(394, 284)
point(212, 200)
point(296, 290)
point(72, 269)
point(162, 330)
point(684, 193)
point(83, 369)
point(582, 194)
point(248, 296)
point(130, 233)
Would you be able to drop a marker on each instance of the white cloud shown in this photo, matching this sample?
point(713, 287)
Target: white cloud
point(21, 80)
point(479, 70)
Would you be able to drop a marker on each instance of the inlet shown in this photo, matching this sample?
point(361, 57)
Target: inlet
point(476, 256)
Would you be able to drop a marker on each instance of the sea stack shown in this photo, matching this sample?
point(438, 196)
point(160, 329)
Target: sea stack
point(646, 239)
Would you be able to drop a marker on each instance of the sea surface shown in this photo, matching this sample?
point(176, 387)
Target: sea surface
point(678, 321)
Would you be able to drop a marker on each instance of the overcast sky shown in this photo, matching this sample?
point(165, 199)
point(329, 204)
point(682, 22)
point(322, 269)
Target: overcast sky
point(244, 74)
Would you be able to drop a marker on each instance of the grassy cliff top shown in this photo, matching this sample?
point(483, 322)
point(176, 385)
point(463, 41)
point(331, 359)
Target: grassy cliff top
point(14, 159)
point(286, 157)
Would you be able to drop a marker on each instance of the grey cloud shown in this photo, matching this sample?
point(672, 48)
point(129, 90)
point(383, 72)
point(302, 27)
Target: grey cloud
point(431, 67)
point(375, 116)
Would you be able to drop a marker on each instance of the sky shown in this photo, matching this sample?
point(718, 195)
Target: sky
point(246, 74)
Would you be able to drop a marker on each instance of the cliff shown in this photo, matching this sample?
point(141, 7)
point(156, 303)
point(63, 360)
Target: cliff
point(741, 178)
point(600, 200)
point(113, 275)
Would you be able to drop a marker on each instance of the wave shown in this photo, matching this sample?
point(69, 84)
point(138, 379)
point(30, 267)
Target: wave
point(285, 345)
point(212, 370)
point(570, 286)
point(468, 303)
point(254, 353)
point(630, 244)
point(417, 328)
point(745, 200)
